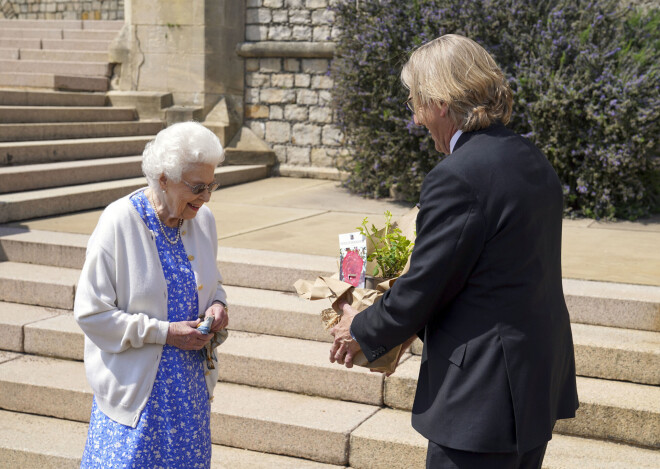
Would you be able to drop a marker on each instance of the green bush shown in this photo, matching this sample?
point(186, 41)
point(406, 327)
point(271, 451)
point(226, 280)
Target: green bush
point(585, 80)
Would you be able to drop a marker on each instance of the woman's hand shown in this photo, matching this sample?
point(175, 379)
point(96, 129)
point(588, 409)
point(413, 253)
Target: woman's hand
point(184, 335)
point(219, 312)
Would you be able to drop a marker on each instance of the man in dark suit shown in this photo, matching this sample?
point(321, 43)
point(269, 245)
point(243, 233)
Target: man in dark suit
point(484, 287)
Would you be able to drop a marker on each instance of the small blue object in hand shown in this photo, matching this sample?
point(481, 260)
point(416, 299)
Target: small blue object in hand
point(205, 326)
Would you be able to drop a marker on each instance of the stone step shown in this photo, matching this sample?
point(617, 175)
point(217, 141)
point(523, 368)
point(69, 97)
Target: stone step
point(45, 202)
point(20, 43)
point(258, 360)
point(40, 285)
point(33, 441)
point(10, 97)
point(610, 410)
point(23, 33)
point(9, 54)
point(42, 176)
point(613, 304)
point(77, 130)
point(59, 114)
point(47, 151)
point(251, 268)
point(241, 416)
point(53, 81)
point(61, 24)
point(618, 354)
point(388, 441)
point(62, 55)
point(96, 69)
point(89, 34)
point(75, 44)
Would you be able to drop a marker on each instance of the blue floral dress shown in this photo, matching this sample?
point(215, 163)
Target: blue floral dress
point(174, 427)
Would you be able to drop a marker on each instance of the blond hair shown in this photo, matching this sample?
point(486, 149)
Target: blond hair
point(455, 70)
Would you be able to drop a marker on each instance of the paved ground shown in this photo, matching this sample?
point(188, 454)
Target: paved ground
point(306, 215)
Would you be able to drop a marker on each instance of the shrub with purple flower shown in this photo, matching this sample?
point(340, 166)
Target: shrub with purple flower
point(585, 78)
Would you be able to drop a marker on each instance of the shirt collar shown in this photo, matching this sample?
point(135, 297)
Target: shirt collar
point(454, 139)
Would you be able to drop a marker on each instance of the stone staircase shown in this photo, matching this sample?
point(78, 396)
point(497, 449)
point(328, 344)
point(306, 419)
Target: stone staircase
point(56, 54)
point(279, 400)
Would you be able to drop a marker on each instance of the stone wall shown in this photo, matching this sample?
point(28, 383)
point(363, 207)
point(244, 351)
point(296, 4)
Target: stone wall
point(288, 52)
point(62, 9)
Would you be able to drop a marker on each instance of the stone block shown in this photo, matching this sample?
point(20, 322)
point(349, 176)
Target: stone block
point(278, 132)
point(280, 153)
point(280, 16)
point(320, 114)
point(252, 96)
point(297, 155)
point(322, 157)
point(14, 317)
point(279, 33)
point(292, 65)
point(259, 128)
point(294, 365)
point(299, 16)
point(323, 17)
point(302, 33)
point(276, 113)
point(302, 80)
point(256, 111)
point(186, 73)
point(332, 136)
point(270, 65)
point(253, 3)
point(57, 336)
point(311, 4)
point(258, 16)
point(322, 33)
point(295, 4)
point(273, 3)
point(257, 80)
point(307, 97)
point(282, 80)
point(294, 112)
point(256, 32)
point(251, 65)
point(278, 96)
point(315, 65)
point(387, 441)
point(325, 97)
point(306, 134)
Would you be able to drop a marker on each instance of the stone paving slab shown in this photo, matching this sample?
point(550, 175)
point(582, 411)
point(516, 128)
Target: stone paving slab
point(611, 255)
point(14, 97)
point(285, 423)
point(294, 365)
point(75, 130)
point(58, 336)
point(43, 114)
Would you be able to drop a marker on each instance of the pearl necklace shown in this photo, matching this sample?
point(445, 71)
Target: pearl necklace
point(162, 228)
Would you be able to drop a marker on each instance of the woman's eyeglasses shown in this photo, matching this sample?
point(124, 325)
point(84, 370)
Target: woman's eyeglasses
point(198, 188)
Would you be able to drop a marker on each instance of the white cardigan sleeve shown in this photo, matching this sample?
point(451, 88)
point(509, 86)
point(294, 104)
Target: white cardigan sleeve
point(96, 304)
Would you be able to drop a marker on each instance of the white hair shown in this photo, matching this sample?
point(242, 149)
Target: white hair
point(178, 147)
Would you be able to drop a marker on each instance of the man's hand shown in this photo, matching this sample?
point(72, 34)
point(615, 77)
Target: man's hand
point(219, 312)
point(344, 347)
point(184, 335)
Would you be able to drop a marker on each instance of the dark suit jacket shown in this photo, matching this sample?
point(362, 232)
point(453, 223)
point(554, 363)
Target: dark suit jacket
point(484, 292)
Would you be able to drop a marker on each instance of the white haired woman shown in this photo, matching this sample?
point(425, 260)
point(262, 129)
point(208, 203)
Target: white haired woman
point(150, 274)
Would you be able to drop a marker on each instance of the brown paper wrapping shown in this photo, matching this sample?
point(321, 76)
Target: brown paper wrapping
point(360, 298)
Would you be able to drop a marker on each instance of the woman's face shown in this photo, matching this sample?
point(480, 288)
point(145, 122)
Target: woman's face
point(179, 201)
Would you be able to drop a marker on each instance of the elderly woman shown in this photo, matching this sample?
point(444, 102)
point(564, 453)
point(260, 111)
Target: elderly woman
point(150, 274)
point(484, 288)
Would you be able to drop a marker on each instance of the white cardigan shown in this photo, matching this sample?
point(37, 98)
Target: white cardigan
point(121, 304)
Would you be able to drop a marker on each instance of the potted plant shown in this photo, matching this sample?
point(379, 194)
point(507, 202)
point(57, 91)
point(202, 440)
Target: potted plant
point(388, 247)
